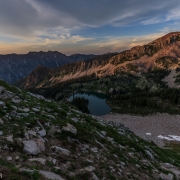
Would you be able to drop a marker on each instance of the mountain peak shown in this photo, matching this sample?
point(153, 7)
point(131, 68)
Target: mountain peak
point(167, 39)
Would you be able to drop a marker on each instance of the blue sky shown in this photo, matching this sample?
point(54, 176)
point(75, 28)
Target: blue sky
point(83, 26)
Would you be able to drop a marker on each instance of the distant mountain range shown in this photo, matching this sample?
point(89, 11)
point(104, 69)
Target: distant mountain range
point(163, 53)
point(14, 67)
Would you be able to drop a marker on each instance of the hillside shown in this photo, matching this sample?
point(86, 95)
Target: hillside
point(43, 139)
point(15, 67)
point(161, 53)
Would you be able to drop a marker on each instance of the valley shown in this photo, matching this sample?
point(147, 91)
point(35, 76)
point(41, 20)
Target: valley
point(113, 116)
point(89, 90)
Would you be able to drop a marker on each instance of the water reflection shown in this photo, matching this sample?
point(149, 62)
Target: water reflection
point(97, 102)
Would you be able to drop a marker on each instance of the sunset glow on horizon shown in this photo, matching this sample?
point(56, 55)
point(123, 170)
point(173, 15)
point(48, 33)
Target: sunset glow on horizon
point(90, 27)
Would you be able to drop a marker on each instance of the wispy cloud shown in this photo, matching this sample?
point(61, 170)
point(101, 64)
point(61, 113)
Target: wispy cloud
point(43, 24)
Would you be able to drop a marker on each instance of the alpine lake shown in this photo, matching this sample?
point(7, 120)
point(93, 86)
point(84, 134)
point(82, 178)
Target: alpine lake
point(97, 102)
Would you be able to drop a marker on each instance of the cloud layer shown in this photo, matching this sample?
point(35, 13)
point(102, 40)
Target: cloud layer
point(36, 23)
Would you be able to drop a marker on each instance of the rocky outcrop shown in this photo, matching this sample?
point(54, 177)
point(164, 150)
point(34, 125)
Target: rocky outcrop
point(60, 142)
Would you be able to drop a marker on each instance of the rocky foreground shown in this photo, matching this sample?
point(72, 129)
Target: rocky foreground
point(43, 139)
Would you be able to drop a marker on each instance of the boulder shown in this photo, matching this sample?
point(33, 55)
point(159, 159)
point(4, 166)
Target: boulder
point(70, 128)
point(30, 147)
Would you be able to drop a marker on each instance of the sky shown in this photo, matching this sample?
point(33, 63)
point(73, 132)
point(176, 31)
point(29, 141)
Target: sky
point(84, 26)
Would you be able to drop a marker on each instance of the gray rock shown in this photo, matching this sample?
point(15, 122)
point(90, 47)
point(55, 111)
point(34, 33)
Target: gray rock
point(14, 107)
point(95, 149)
point(122, 147)
point(30, 147)
point(16, 101)
point(1, 121)
point(149, 154)
point(36, 95)
point(74, 119)
point(2, 89)
point(9, 138)
point(2, 103)
point(1, 133)
point(23, 114)
point(61, 150)
point(50, 175)
point(13, 113)
point(40, 143)
point(50, 116)
point(54, 161)
point(35, 109)
point(94, 177)
point(103, 133)
point(70, 128)
point(89, 168)
point(41, 160)
point(30, 132)
point(170, 176)
point(5, 147)
point(111, 90)
point(26, 110)
point(9, 158)
point(42, 132)
point(46, 174)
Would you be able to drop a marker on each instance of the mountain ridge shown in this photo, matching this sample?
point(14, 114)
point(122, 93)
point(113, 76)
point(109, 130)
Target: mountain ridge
point(17, 66)
point(160, 53)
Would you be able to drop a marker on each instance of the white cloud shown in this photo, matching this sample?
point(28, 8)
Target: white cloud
point(154, 20)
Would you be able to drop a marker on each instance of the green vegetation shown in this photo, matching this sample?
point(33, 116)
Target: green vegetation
point(167, 61)
point(114, 144)
point(135, 94)
point(81, 104)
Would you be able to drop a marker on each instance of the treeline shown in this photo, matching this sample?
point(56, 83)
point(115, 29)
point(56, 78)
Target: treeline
point(63, 87)
point(81, 103)
point(167, 100)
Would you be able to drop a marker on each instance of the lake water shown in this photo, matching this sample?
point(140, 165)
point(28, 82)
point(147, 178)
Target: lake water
point(97, 102)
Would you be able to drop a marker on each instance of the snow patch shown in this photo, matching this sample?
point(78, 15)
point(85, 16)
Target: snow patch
point(170, 138)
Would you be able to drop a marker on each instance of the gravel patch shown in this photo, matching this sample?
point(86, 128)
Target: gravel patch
point(156, 124)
